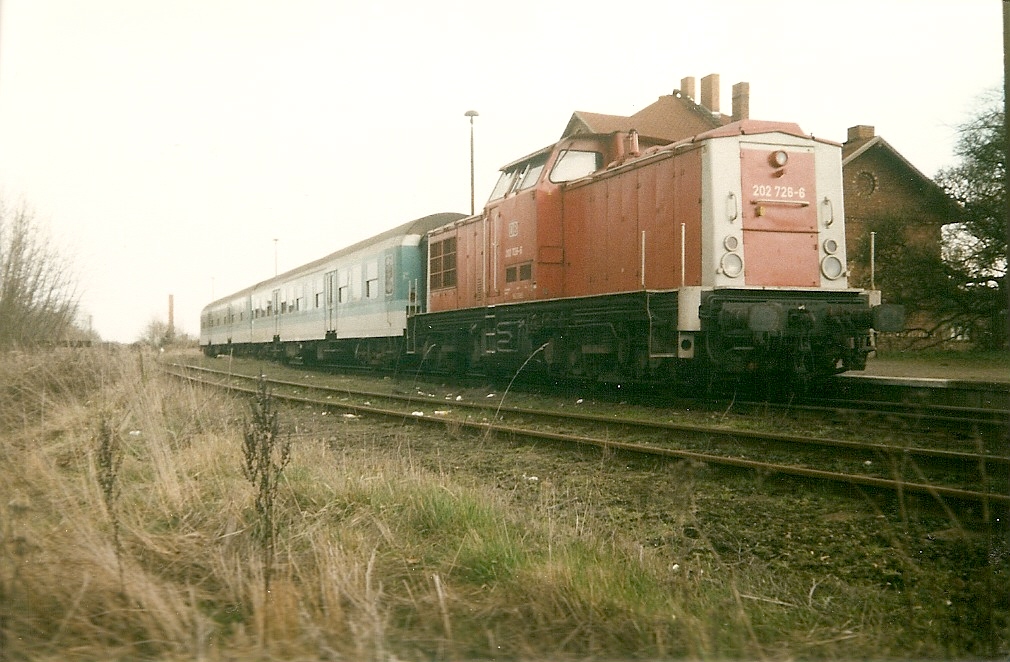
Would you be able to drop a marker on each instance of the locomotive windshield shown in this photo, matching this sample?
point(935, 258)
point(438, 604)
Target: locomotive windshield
point(504, 184)
point(519, 177)
point(571, 164)
point(531, 174)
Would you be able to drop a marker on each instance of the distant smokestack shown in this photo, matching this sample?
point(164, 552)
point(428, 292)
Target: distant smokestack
point(171, 316)
point(710, 92)
point(741, 102)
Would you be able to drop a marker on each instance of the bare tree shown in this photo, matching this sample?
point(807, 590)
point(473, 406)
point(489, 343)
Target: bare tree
point(978, 253)
point(38, 294)
point(156, 333)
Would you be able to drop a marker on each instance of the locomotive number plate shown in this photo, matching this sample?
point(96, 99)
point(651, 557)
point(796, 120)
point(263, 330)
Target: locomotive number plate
point(778, 192)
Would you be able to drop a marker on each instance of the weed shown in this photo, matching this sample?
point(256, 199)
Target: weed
point(14, 549)
point(265, 455)
point(109, 457)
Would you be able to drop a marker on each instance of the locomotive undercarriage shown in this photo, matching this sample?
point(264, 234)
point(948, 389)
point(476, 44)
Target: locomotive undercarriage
point(602, 338)
point(791, 336)
point(787, 337)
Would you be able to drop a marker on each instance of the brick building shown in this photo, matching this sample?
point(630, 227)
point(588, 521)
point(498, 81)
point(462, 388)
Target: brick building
point(673, 116)
point(881, 185)
point(881, 189)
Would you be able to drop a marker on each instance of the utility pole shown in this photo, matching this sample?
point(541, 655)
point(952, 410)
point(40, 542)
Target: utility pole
point(471, 114)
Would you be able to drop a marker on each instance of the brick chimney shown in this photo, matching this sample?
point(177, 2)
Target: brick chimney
point(860, 132)
point(741, 102)
point(710, 92)
point(687, 87)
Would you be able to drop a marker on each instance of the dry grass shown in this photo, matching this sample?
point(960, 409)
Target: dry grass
point(377, 557)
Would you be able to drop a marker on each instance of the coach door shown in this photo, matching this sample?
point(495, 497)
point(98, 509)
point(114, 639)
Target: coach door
point(276, 301)
point(330, 298)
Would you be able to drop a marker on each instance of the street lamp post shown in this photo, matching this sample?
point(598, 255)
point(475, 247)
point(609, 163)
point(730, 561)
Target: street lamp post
point(471, 114)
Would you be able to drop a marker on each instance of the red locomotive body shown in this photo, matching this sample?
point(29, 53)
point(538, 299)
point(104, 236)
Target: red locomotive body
point(621, 258)
point(623, 229)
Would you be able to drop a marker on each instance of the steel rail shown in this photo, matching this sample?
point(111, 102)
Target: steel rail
point(749, 435)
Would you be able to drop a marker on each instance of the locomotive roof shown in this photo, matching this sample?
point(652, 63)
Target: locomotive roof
point(646, 140)
point(419, 226)
point(739, 128)
point(754, 127)
point(523, 159)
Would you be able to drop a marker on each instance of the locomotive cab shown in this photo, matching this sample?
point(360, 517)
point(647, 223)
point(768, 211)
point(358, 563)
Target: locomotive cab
point(515, 249)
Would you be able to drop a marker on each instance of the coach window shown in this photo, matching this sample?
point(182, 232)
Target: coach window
point(526, 271)
point(372, 280)
point(574, 164)
point(344, 291)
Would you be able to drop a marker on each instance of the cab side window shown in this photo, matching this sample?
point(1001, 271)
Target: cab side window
point(574, 164)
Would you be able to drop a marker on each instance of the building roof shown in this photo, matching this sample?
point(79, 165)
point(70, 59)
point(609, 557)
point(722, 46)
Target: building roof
point(862, 141)
point(862, 138)
point(670, 118)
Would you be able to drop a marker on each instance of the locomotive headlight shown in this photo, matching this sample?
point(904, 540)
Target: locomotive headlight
point(731, 243)
point(731, 265)
point(832, 267)
point(830, 246)
point(778, 158)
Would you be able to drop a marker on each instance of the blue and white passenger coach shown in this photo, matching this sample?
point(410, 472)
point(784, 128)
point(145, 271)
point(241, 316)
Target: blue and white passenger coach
point(350, 304)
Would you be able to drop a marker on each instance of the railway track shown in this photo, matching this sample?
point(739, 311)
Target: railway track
point(947, 422)
point(951, 409)
point(974, 479)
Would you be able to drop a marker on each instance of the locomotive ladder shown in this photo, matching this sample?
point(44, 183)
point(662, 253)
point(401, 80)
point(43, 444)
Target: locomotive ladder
point(657, 349)
point(489, 341)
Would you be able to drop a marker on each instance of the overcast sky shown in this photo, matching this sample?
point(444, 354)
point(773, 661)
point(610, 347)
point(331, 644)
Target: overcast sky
point(165, 144)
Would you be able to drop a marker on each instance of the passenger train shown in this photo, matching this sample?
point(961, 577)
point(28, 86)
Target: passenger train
point(609, 257)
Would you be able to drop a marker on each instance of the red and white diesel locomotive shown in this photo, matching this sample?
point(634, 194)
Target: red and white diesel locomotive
point(604, 256)
point(720, 255)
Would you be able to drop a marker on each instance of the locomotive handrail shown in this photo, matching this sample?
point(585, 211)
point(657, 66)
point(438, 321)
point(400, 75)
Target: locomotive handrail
point(831, 211)
point(776, 201)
